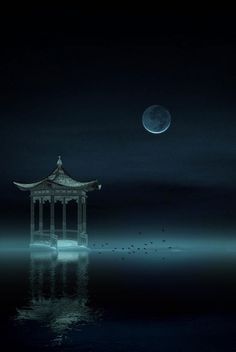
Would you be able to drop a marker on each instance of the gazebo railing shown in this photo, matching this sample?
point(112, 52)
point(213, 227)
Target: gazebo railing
point(45, 238)
point(47, 232)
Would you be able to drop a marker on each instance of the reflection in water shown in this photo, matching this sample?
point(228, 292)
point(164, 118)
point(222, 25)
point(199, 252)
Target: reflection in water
point(58, 292)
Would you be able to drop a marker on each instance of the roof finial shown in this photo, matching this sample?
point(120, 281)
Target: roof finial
point(59, 161)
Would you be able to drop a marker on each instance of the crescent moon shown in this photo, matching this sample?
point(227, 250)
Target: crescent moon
point(156, 119)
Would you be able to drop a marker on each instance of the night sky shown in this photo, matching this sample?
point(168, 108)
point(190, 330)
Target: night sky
point(77, 85)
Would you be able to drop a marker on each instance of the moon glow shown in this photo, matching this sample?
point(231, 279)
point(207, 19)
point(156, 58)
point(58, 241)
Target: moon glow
point(156, 119)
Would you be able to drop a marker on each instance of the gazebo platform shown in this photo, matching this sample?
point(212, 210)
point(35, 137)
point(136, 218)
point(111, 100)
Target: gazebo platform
point(62, 245)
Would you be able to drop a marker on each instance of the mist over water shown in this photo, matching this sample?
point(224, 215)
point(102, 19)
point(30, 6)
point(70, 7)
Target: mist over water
point(155, 292)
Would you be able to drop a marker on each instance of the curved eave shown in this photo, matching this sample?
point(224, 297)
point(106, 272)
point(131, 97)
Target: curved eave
point(27, 186)
point(87, 186)
point(93, 185)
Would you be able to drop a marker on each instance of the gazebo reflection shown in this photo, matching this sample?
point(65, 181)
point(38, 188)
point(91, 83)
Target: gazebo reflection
point(58, 292)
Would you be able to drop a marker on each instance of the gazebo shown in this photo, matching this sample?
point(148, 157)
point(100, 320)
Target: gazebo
point(60, 187)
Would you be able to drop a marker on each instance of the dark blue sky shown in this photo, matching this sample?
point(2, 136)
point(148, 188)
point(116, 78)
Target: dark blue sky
point(77, 86)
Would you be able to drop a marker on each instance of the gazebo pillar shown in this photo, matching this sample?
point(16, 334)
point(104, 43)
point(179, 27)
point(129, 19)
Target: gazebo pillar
point(52, 222)
point(79, 219)
point(64, 218)
point(84, 226)
point(41, 215)
point(83, 235)
point(32, 225)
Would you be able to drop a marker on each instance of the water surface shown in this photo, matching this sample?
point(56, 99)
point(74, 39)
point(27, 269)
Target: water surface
point(118, 299)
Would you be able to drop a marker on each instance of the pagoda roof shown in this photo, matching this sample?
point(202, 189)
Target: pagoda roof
point(61, 178)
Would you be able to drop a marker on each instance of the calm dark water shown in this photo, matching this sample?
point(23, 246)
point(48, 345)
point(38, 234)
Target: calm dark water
point(163, 300)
